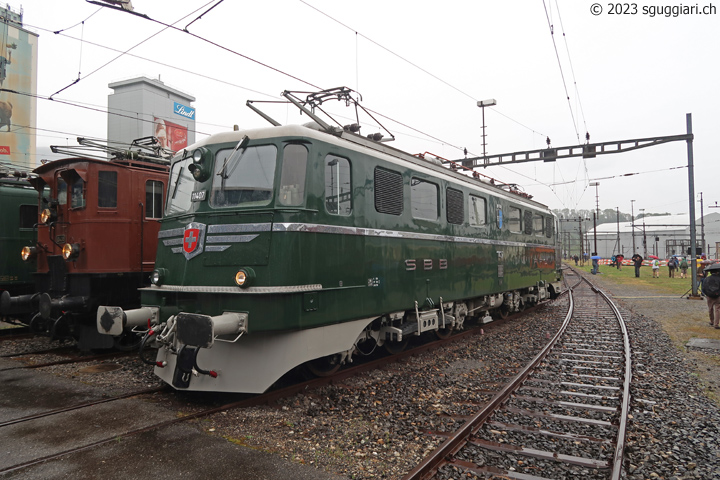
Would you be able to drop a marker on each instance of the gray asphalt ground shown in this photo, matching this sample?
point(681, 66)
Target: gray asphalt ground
point(178, 451)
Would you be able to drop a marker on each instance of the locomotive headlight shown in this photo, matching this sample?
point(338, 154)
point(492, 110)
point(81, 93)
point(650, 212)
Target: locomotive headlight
point(70, 251)
point(158, 276)
point(198, 155)
point(200, 166)
point(27, 253)
point(244, 277)
point(47, 215)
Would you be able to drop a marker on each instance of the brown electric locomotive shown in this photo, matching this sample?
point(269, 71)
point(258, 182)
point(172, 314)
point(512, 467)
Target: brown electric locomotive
point(96, 241)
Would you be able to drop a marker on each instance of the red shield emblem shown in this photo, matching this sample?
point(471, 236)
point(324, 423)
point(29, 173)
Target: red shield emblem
point(190, 239)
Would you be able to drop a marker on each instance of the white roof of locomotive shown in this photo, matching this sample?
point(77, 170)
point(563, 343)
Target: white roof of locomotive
point(419, 164)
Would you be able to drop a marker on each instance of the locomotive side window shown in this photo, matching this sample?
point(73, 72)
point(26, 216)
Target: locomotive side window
point(539, 225)
point(388, 192)
point(338, 194)
point(549, 227)
point(245, 178)
point(513, 219)
point(107, 189)
point(455, 206)
point(153, 199)
point(292, 179)
point(424, 199)
point(28, 216)
point(528, 222)
point(477, 211)
point(61, 191)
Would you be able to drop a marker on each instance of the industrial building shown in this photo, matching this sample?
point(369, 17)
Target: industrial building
point(143, 107)
point(18, 79)
point(661, 236)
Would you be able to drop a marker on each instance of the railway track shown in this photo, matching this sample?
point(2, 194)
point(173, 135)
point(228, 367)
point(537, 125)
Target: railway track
point(563, 416)
point(74, 358)
point(238, 402)
point(15, 333)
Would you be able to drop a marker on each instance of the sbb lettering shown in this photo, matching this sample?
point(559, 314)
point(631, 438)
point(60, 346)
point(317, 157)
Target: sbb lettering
point(427, 263)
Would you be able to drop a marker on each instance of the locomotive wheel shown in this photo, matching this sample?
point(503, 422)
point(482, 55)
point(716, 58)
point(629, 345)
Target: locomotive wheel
point(59, 329)
point(127, 342)
point(324, 366)
point(38, 324)
point(443, 333)
point(503, 311)
point(393, 348)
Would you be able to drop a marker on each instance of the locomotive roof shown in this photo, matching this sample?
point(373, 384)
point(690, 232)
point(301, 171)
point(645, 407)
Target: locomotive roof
point(419, 163)
point(62, 162)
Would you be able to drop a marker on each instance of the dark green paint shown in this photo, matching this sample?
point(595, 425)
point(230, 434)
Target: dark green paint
point(361, 276)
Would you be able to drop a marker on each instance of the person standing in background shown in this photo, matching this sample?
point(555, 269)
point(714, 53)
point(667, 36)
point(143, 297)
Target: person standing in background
point(637, 261)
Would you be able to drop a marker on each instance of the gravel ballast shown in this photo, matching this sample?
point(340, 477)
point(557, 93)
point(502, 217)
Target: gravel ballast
point(376, 425)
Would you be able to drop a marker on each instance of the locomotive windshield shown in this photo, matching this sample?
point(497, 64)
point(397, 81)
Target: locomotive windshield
point(244, 179)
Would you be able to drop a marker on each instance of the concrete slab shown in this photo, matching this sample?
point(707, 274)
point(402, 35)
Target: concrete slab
point(704, 344)
point(178, 451)
point(28, 392)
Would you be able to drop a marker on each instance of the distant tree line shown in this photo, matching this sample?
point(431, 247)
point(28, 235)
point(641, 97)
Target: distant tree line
point(608, 215)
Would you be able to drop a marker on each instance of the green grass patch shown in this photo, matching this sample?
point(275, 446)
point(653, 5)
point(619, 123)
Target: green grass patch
point(626, 275)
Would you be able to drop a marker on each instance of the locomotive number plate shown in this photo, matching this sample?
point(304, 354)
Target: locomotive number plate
point(198, 196)
point(60, 239)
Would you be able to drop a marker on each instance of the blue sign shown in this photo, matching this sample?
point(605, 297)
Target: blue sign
point(184, 111)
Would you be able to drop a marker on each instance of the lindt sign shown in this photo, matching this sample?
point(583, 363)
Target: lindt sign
point(184, 111)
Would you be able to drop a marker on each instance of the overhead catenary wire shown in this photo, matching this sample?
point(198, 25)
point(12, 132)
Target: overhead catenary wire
point(157, 62)
point(122, 54)
point(572, 68)
point(562, 74)
point(277, 70)
point(577, 96)
point(227, 49)
point(82, 22)
point(379, 45)
point(243, 56)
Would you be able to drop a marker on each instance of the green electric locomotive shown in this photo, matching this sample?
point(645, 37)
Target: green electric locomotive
point(293, 245)
point(19, 206)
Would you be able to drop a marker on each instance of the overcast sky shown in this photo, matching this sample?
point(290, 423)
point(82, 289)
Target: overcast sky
point(424, 65)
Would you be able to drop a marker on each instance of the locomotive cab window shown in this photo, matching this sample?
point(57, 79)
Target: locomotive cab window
point(244, 177)
point(424, 199)
point(61, 191)
point(153, 199)
point(513, 219)
point(28, 216)
point(477, 215)
point(181, 187)
point(455, 206)
point(107, 189)
point(539, 225)
point(292, 179)
point(75, 188)
point(338, 193)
